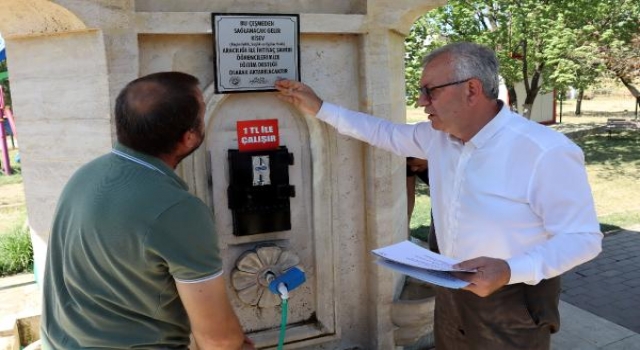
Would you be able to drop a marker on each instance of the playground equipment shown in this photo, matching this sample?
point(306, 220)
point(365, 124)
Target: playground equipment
point(5, 114)
point(3, 53)
point(6, 166)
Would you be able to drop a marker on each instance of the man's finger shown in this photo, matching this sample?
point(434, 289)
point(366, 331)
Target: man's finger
point(470, 264)
point(284, 83)
point(465, 276)
point(288, 84)
point(288, 99)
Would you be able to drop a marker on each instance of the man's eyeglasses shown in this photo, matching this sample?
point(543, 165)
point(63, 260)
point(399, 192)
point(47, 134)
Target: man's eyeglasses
point(426, 91)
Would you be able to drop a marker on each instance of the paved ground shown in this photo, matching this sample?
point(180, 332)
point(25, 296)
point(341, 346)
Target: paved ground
point(19, 297)
point(599, 309)
point(609, 286)
point(582, 330)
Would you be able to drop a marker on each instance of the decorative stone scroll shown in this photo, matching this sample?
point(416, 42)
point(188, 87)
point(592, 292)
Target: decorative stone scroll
point(256, 269)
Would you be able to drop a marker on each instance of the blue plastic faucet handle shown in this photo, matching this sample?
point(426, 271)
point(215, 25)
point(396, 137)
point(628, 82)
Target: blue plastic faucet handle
point(292, 279)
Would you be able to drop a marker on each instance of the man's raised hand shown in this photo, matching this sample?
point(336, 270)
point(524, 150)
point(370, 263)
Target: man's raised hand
point(299, 95)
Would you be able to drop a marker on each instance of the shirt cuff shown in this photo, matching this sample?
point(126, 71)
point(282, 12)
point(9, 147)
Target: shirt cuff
point(328, 112)
point(522, 270)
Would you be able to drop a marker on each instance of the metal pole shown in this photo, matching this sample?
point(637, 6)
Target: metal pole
point(5, 150)
point(3, 138)
point(561, 99)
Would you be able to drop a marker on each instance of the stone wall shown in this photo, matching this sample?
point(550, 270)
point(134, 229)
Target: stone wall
point(350, 197)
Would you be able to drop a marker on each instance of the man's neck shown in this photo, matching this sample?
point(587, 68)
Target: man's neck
point(170, 159)
point(483, 114)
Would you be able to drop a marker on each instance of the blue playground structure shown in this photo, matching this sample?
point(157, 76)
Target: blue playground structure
point(3, 55)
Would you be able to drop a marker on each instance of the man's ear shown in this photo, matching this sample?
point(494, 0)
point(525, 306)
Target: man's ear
point(189, 139)
point(474, 91)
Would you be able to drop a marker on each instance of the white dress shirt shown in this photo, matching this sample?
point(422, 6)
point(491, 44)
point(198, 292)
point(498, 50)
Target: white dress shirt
point(517, 190)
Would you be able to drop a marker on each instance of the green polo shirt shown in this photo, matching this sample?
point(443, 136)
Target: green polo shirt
point(125, 230)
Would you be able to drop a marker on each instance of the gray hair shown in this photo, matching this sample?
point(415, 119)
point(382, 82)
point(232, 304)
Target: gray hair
point(471, 60)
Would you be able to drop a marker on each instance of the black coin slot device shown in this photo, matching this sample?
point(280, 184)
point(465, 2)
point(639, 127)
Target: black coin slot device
point(259, 190)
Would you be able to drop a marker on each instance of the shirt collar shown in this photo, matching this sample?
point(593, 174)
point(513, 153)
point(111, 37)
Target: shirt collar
point(152, 163)
point(492, 128)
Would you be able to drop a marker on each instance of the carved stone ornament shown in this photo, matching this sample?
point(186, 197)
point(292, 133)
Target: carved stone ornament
point(256, 269)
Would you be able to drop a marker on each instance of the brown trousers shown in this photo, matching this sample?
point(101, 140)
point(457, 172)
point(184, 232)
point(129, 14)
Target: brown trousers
point(517, 316)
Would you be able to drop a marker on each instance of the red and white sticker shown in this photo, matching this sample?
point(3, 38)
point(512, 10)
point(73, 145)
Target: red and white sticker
point(258, 135)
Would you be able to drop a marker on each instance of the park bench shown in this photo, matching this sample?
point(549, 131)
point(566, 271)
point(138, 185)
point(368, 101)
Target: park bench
point(618, 124)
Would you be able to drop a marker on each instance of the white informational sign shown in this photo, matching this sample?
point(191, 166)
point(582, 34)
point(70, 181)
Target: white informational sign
point(252, 51)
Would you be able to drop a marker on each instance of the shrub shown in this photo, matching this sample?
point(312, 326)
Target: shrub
point(16, 252)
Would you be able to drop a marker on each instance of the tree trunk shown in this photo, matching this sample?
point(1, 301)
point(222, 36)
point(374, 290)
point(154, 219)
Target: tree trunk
point(513, 97)
point(579, 102)
point(634, 91)
point(527, 106)
point(526, 110)
point(629, 85)
point(531, 87)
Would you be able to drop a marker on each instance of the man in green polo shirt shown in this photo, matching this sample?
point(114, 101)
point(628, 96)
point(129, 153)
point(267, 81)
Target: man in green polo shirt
point(133, 260)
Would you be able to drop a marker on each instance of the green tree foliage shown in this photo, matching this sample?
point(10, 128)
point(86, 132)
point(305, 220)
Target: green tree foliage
point(415, 49)
point(603, 42)
point(546, 45)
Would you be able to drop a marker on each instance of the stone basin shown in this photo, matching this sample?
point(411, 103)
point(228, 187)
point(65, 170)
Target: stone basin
point(412, 314)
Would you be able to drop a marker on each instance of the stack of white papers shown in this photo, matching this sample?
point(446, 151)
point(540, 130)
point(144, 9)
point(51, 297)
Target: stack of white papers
point(412, 260)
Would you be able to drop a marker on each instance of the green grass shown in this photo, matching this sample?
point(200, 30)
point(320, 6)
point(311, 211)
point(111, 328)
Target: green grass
point(16, 252)
point(420, 219)
point(11, 216)
point(613, 166)
point(16, 176)
point(616, 221)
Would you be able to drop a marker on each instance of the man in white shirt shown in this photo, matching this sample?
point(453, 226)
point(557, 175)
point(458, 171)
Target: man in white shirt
point(510, 198)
